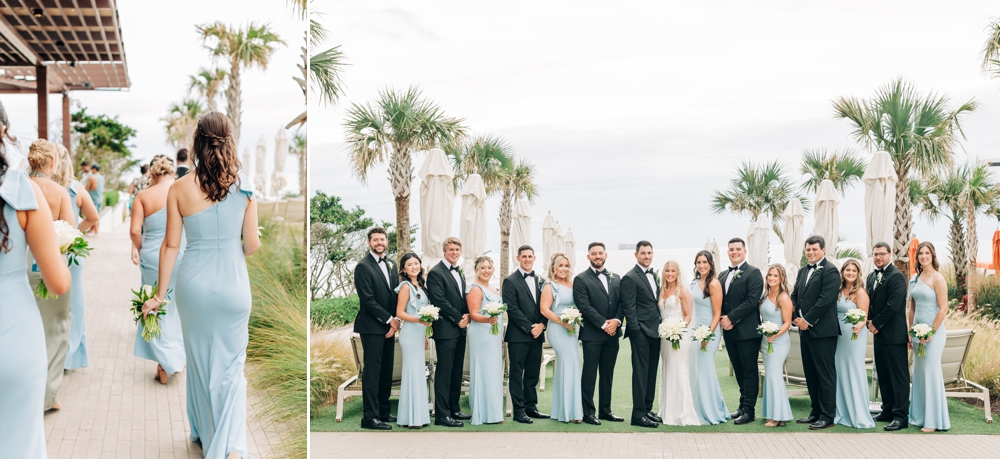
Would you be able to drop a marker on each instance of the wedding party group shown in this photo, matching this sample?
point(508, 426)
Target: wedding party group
point(190, 234)
point(670, 324)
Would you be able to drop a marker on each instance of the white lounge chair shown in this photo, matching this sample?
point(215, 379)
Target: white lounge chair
point(352, 386)
point(956, 350)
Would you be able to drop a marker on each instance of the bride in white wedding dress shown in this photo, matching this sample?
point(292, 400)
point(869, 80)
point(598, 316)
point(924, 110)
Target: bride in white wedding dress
point(676, 401)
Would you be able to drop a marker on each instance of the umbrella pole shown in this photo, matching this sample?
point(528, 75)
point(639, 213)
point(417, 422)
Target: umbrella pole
point(874, 407)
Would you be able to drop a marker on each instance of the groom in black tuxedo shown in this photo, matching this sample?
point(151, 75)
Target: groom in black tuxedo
point(446, 290)
point(742, 287)
point(815, 314)
point(375, 279)
point(640, 291)
point(596, 292)
point(522, 293)
point(886, 287)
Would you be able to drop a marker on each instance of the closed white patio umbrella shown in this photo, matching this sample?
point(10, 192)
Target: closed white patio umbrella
point(880, 203)
point(472, 226)
point(794, 232)
point(570, 250)
point(260, 178)
point(278, 180)
point(758, 239)
point(550, 241)
point(437, 199)
point(520, 228)
point(827, 219)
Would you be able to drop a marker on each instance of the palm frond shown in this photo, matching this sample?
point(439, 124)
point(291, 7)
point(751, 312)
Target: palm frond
point(844, 168)
point(991, 49)
point(326, 69)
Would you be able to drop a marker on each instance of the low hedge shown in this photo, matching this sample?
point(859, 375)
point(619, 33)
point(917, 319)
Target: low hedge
point(334, 312)
point(110, 198)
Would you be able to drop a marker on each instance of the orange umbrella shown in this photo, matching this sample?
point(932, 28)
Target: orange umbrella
point(996, 251)
point(913, 255)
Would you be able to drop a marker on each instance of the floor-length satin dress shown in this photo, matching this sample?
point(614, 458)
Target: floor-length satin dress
point(928, 403)
point(705, 390)
point(76, 354)
point(168, 348)
point(567, 378)
point(676, 397)
point(414, 409)
point(852, 377)
point(486, 366)
point(775, 403)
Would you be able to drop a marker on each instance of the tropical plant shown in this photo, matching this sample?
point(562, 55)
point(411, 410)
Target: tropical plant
point(516, 182)
point(919, 131)
point(981, 195)
point(207, 83)
point(325, 68)
point(398, 125)
point(758, 190)
point(945, 196)
point(844, 168)
point(181, 122)
point(486, 155)
point(300, 148)
point(104, 140)
point(244, 47)
point(337, 242)
point(991, 50)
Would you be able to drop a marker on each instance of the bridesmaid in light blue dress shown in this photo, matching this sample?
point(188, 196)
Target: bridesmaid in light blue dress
point(929, 305)
point(213, 286)
point(23, 359)
point(414, 407)
point(776, 307)
point(852, 377)
point(485, 349)
point(567, 385)
point(149, 224)
point(708, 401)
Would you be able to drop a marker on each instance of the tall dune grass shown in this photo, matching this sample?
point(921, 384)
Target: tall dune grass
point(278, 334)
point(983, 362)
point(332, 363)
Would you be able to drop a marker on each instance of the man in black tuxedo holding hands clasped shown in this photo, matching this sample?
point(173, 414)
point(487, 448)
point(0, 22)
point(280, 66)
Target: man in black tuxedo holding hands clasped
point(522, 293)
point(639, 295)
point(596, 293)
point(446, 290)
point(886, 287)
point(375, 279)
point(742, 287)
point(815, 314)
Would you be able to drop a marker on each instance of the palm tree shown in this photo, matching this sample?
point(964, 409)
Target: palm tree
point(516, 182)
point(980, 196)
point(920, 133)
point(487, 155)
point(299, 147)
point(844, 168)
point(945, 195)
point(181, 122)
point(207, 83)
point(758, 190)
point(244, 47)
point(991, 50)
point(398, 125)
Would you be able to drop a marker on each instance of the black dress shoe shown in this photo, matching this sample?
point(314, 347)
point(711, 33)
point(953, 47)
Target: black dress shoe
point(448, 422)
point(744, 418)
point(461, 416)
point(895, 425)
point(612, 417)
point(374, 424)
point(591, 420)
point(653, 417)
point(885, 416)
point(388, 419)
point(520, 417)
point(645, 422)
point(820, 425)
point(536, 414)
point(807, 420)
point(736, 413)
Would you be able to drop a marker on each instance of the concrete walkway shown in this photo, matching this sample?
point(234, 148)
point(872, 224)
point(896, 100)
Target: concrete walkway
point(436, 445)
point(114, 408)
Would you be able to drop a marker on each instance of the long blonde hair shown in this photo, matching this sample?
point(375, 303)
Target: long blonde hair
point(856, 285)
point(663, 282)
point(782, 284)
point(554, 263)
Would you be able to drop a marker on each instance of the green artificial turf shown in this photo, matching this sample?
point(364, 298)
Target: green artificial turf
point(965, 419)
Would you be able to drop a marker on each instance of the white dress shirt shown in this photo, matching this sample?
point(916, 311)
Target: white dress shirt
point(732, 275)
point(385, 272)
point(530, 281)
point(652, 281)
point(604, 281)
point(456, 275)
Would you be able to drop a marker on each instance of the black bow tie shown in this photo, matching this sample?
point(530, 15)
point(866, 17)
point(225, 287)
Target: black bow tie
point(733, 268)
point(880, 270)
point(812, 266)
point(650, 272)
point(453, 268)
point(527, 275)
point(379, 259)
point(603, 271)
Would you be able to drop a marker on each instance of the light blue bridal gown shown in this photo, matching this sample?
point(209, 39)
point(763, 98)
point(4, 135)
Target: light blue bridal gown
point(928, 404)
point(708, 401)
point(414, 409)
point(776, 406)
point(168, 348)
point(23, 361)
point(567, 391)
point(485, 367)
point(213, 300)
point(76, 356)
point(852, 377)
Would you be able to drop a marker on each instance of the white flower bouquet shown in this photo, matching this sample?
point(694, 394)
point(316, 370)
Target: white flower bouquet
point(72, 244)
point(672, 329)
point(702, 335)
point(571, 317)
point(151, 322)
point(854, 317)
point(429, 314)
point(769, 329)
point(921, 332)
point(495, 309)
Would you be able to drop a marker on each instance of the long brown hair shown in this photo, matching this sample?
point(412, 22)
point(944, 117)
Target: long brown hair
point(782, 284)
point(4, 229)
point(711, 271)
point(934, 260)
point(217, 166)
point(857, 284)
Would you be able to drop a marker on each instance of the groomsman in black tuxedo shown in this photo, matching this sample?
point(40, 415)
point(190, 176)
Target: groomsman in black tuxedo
point(640, 291)
point(742, 287)
point(596, 292)
point(522, 293)
point(375, 279)
point(446, 290)
point(886, 287)
point(815, 314)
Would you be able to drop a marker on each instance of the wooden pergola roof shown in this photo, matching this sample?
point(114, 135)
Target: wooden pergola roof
point(79, 41)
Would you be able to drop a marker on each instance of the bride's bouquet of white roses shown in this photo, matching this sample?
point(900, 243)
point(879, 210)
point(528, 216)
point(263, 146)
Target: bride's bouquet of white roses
point(72, 244)
point(571, 317)
point(702, 335)
point(854, 317)
point(769, 329)
point(428, 314)
point(495, 309)
point(672, 329)
point(921, 332)
point(151, 321)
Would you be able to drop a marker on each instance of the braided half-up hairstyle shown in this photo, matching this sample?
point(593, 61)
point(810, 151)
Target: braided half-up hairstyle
point(4, 165)
point(217, 166)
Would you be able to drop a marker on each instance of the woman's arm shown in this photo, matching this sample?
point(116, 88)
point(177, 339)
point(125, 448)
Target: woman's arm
point(687, 305)
point(168, 251)
point(861, 299)
point(135, 227)
point(941, 288)
point(251, 239)
point(474, 299)
point(66, 207)
point(546, 305)
point(41, 237)
point(402, 299)
point(89, 210)
point(715, 293)
point(785, 303)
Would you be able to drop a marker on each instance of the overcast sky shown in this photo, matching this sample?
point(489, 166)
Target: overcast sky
point(635, 112)
point(162, 48)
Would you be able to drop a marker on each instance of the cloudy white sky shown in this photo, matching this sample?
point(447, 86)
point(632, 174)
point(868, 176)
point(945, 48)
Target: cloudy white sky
point(635, 112)
point(162, 48)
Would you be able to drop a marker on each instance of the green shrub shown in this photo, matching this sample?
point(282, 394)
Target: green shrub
point(110, 198)
point(334, 312)
point(988, 297)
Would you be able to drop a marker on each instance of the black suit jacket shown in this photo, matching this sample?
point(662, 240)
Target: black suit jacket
point(816, 302)
point(887, 310)
point(741, 303)
point(523, 310)
point(377, 298)
point(638, 302)
point(445, 294)
point(597, 305)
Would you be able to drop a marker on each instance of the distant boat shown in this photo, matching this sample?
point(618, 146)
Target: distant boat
point(624, 246)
